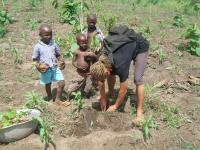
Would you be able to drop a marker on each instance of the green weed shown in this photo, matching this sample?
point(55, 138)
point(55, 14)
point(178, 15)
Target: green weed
point(109, 22)
point(71, 47)
point(70, 11)
point(78, 100)
point(178, 20)
point(146, 124)
point(35, 101)
point(45, 129)
point(4, 20)
point(4, 17)
point(161, 55)
point(33, 23)
point(186, 145)
point(23, 35)
point(192, 34)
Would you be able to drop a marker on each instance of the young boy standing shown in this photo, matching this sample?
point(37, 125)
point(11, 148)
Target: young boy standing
point(93, 32)
point(49, 63)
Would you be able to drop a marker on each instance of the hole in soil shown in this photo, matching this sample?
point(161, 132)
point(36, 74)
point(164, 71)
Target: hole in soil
point(91, 120)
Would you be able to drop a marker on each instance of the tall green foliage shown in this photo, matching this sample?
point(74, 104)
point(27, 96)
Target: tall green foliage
point(70, 11)
point(4, 20)
point(192, 34)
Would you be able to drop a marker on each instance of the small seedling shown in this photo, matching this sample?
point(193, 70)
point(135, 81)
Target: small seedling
point(4, 17)
point(15, 52)
point(45, 132)
point(146, 124)
point(78, 100)
point(23, 35)
point(35, 101)
point(178, 21)
point(192, 34)
point(161, 55)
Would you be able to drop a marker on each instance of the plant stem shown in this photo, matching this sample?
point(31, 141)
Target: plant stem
point(3, 3)
point(81, 18)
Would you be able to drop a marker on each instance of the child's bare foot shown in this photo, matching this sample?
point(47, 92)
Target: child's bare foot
point(61, 103)
point(137, 121)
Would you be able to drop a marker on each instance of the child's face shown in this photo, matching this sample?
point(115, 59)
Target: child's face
point(46, 35)
point(82, 42)
point(91, 22)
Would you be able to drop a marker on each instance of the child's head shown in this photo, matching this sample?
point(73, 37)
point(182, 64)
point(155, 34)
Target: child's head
point(45, 32)
point(91, 21)
point(82, 41)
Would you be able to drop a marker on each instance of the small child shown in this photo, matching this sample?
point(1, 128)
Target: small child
point(49, 63)
point(92, 33)
point(83, 58)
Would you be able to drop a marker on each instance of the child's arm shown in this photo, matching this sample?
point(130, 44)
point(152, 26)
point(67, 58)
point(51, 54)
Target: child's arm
point(61, 62)
point(59, 57)
point(35, 56)
point(74, 59)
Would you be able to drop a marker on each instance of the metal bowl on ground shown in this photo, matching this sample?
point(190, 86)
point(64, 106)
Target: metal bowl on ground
point(19, 131)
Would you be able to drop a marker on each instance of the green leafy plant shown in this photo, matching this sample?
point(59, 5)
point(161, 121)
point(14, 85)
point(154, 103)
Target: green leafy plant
point(70, 11)
point(146, 31)
point(192, 34)
point(161, 55)
point(95, 43)
point(146, 124)
point(109, 22)
point(71, 47)
point(12, 117)
point(4, 17)
point(45, 129)
point(78, 100)
point(35, 100)
point(33, 23)
point(178, 20)
point(4, 20)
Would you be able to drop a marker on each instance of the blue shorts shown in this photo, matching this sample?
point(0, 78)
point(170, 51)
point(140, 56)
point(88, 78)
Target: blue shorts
point(52, 74)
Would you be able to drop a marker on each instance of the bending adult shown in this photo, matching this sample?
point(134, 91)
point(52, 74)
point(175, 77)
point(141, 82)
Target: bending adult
point(122, 46)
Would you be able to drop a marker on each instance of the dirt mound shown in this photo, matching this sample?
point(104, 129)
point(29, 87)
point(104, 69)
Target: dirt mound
point(102, 140)
point(91, 120)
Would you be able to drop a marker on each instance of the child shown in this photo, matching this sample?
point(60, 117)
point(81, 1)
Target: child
point(49, 63)
point(82, 60)
point(92, 33)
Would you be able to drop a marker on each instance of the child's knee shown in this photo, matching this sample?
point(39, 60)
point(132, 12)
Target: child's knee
point(61, 83)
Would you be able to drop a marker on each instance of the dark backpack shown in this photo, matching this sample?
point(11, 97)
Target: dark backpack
point(117, 37)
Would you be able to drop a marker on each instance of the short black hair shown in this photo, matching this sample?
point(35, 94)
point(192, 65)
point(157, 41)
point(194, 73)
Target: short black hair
point(91, 16)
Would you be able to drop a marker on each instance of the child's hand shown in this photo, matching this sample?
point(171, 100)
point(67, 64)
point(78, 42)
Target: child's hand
point(62, 64)
point(41, 67)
